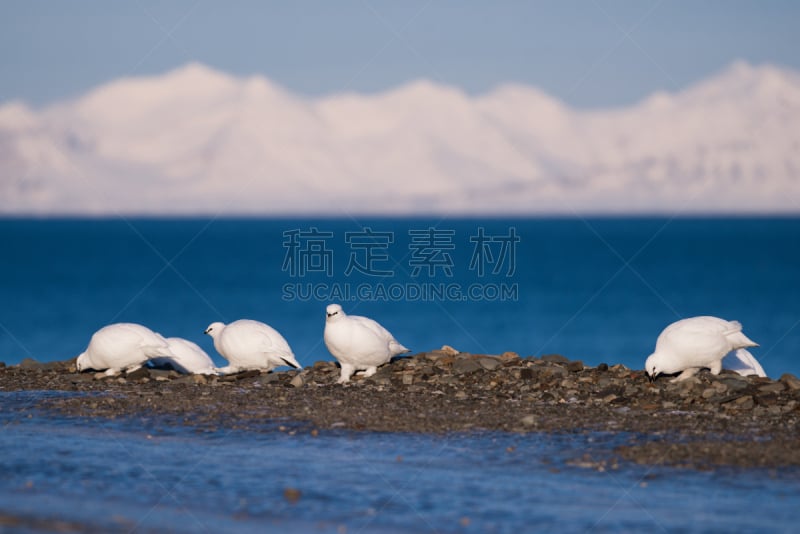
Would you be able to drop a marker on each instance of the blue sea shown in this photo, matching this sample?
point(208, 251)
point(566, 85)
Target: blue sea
point(597, 289)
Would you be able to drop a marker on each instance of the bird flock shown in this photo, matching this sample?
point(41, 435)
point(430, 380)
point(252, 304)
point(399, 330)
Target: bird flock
point(362, 344)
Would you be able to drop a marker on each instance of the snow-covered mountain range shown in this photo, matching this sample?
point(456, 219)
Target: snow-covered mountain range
point(198, 141)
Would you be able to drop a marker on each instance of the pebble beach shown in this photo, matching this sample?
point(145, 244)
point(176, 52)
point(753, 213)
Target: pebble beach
point(704, 422)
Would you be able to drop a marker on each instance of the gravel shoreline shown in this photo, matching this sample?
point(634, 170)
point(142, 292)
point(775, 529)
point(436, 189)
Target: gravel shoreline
point(702, 423)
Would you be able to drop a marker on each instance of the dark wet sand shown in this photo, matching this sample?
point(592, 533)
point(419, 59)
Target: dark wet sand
point(705, 422)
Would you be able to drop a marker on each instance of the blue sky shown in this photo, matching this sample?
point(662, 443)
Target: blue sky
point(589, 54)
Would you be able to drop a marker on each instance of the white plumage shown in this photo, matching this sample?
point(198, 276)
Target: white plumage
point(248, 344)
point(188, 358)
point(689, 345)
point(743, 363)
point(359, 343)
point(122, 346)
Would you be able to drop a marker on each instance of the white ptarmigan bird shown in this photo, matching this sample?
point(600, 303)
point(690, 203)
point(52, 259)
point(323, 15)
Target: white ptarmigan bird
point(248, 344)
point(688, 345)
point(188, 358)
point(359, 343)
point(122, 347)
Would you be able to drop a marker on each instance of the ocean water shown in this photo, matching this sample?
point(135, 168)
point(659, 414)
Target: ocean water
point(600, 290)
point(142, 475)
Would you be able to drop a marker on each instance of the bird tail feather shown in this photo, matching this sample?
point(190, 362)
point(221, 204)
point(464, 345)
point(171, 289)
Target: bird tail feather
point(291, 361)
point(397, 348)
point(158, 351)
point(737, 337)
point(736, 326)
point(744, 363)
point(739, 340)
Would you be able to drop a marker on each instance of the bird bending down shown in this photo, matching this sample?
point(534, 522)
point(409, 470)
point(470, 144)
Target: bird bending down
point(248, 344)
point(358, 343)
point(689, 345)
point(189, 358)
point(122, 347)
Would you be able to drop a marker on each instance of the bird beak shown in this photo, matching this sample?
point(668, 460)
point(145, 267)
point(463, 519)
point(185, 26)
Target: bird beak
point(207, 330)
point(650, 378)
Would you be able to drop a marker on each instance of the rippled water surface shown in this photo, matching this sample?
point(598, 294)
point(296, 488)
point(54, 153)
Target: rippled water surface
point(130, 475)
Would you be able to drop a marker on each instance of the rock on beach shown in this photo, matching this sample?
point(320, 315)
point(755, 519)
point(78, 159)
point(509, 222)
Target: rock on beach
point(444, 390)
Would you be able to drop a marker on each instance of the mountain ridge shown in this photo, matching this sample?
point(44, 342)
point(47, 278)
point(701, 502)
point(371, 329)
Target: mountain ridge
point(195, 140)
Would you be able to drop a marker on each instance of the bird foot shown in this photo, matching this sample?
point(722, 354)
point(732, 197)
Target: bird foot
point(370, 371)
point(687, 373)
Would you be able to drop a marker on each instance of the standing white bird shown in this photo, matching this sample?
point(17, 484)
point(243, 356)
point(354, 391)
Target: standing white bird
point(188, 358)
point(688, 345)
point(122, 346)
point(248, 344)
point(359, 343)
